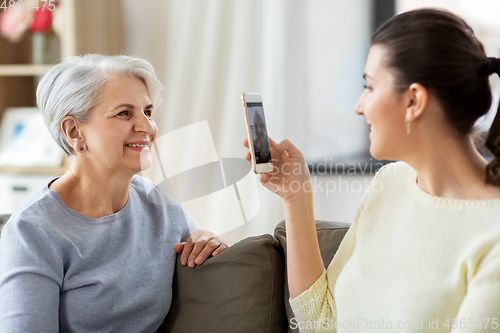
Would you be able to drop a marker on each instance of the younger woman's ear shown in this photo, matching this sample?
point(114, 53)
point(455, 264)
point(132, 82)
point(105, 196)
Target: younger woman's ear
point(417, 99)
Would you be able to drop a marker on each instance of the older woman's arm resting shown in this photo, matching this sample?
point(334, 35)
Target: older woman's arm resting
point(29, 280)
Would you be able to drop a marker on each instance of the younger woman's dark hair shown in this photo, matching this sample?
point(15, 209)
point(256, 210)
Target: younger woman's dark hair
point(439, 50)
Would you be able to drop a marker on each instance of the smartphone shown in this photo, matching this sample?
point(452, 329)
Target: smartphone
point(257, 133)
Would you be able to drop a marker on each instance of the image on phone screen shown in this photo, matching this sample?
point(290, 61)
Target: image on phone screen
point(258, 132)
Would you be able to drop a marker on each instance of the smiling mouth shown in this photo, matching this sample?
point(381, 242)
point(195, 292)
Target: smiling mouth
point(136, 145)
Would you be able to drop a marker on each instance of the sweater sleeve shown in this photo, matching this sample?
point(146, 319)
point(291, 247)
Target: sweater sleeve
point(481, 304)
point(29, 282)
point(316, 305)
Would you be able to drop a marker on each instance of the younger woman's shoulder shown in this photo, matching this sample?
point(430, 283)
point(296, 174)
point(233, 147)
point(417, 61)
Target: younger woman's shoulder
point(395, 166)
point(394, 170)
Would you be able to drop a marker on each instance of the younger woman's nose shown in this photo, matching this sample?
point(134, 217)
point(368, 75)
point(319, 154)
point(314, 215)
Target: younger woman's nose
point(358, 108)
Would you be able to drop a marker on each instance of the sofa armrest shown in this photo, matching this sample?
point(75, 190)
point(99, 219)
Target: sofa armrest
point(330, 234)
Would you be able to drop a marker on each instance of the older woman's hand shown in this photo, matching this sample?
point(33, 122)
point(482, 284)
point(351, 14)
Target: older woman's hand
point(199, 247)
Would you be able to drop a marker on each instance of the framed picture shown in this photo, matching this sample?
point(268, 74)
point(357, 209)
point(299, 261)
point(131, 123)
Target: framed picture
point(25, 140)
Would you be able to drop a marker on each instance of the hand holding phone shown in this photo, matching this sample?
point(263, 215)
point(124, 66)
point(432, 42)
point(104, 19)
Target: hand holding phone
point(257, 133)
point(290, 176)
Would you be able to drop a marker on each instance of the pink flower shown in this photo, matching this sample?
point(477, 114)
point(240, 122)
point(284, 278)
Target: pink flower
point(42, 21)
point(14, 23)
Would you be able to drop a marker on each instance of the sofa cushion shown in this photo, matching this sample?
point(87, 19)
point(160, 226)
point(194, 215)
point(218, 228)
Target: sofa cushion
point(330, 234)
point(240, 290)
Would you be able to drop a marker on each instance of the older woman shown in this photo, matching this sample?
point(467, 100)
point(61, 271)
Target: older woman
point(90, 252)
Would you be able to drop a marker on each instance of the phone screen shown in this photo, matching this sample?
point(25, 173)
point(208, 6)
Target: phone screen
point(258, 132)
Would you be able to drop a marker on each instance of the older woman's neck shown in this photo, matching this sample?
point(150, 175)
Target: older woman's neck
point(94, 193)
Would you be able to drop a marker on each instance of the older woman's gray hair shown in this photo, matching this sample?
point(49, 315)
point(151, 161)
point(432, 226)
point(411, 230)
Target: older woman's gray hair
point(72, 88)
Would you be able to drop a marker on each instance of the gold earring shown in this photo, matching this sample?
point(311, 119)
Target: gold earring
point(408, 127)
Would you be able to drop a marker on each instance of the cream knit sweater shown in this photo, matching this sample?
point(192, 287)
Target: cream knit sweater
point(410, 262)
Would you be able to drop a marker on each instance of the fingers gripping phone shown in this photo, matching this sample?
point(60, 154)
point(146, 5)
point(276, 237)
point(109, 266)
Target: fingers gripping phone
point(257, 133)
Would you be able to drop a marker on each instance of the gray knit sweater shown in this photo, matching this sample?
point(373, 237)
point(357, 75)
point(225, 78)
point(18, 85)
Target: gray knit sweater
point(61, 271)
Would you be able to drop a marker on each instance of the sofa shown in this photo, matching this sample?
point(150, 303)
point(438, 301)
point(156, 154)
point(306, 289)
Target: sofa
point(244, 289)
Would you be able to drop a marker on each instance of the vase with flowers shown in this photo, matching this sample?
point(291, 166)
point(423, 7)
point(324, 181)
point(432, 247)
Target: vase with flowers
point(41, 51)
